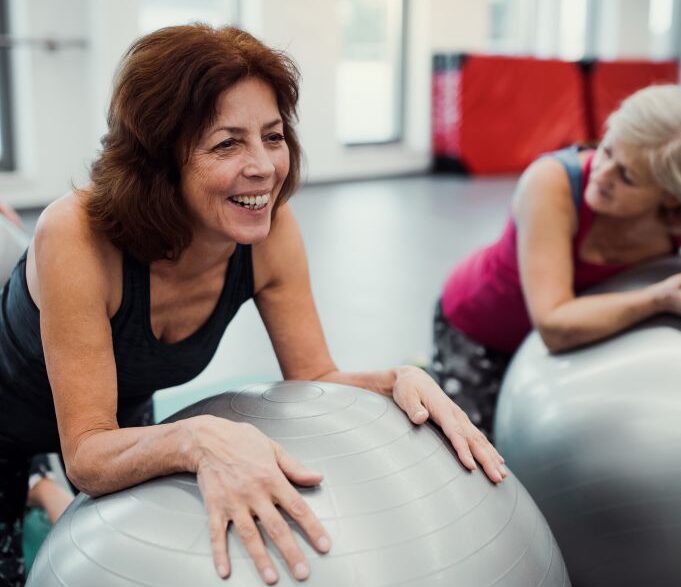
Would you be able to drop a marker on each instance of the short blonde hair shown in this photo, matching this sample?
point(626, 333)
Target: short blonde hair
point(651, 119)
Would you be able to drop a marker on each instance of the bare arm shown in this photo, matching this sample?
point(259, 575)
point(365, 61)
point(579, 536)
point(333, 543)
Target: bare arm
point(546, 222)
point(284, 299)
point(74, 293)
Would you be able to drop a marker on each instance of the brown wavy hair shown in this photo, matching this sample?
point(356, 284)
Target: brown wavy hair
point(164, 98)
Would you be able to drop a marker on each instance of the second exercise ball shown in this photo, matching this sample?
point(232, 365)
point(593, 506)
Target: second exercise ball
point(594, 436)
point(399, 507)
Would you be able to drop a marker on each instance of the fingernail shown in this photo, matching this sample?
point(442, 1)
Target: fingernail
point(300, 571)
point(503, 470)
point(323, 544)
point(222, 571)
point(421, 413)
point(269, 576)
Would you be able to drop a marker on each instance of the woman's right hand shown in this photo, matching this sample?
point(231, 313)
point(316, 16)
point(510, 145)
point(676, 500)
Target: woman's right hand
point(242, 475)
point(667, 294)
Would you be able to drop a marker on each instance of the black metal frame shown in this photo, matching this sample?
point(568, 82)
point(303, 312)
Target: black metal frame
point(7, 162)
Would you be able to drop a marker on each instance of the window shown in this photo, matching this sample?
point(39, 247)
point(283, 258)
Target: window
point(660, 26)
point(573, 21)
point(6, 138)
point(155, 14)
point(499, 16)
point(370, 72)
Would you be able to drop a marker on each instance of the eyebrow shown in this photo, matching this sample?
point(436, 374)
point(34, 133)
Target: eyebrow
point(237, 130)
point(626, 169)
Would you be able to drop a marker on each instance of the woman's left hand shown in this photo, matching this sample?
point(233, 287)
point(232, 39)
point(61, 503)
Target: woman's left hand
point(421, 398)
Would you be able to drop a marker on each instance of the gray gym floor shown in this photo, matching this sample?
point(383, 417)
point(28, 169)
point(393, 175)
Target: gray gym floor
point(379, 252)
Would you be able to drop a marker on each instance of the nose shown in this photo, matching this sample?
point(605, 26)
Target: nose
point(258, 163)
point(603, 172)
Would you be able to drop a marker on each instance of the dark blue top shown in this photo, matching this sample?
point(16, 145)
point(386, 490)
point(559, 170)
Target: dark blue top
point(143, 363)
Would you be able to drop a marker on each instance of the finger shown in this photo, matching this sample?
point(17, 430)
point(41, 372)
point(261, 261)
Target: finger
point(279, 531)
point(294, 504)
point(217, 524)
point(413, 406)
point(485, 454)
point(252, 541)
point(460, 445)
point(470, 444)
point(294, 469)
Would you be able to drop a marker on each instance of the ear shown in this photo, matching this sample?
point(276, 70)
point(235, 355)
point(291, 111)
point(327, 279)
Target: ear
point(670, 213)
point(670, 201)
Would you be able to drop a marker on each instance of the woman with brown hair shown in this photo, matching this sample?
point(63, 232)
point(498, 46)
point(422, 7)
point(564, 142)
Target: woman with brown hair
point(130, 283)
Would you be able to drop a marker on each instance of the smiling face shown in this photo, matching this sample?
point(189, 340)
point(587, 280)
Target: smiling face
point(236, 170)
point(620, 184)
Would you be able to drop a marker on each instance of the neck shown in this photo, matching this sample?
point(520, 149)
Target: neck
point(645, 228)
point(202, 255)
point(643, 222)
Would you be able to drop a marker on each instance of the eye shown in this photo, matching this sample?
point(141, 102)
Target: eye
point(225, 145)
point(274, 138)
point(623, 175)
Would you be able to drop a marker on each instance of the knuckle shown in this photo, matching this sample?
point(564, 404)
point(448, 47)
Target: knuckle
point(217, 532)
point(298, 506)
point(477, 437)
point(278, 528)
point(247, 531)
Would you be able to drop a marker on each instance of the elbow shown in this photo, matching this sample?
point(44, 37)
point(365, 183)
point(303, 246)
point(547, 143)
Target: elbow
point(83, 477)
point(558, 338)
point(86, 473)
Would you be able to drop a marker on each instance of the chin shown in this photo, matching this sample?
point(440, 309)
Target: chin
point(250, 235)
point(596, 201)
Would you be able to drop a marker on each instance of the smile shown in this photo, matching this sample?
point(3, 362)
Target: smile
point(251, 202)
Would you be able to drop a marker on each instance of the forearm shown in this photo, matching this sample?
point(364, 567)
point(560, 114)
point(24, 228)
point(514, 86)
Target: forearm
point(594, 317)
point(110, 460)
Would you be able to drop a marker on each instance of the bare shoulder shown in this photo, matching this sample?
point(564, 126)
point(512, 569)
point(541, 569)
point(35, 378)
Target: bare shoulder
point(65, 243)
point(281, 254)
point(64, 218)
point(544, 188)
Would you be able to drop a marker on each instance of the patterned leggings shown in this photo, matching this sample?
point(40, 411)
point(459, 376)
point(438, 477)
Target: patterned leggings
point(469, 373)
point(14, 472)
point(13, 491)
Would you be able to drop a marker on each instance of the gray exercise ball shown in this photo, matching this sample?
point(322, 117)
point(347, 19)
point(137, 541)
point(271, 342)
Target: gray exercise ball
point(13, 242)
point(399, 507)
point(594, 436)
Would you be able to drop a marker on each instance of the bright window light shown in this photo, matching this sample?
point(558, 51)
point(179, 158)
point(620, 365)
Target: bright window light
point(369, 75)
point(573, 28)
point(660, 16)
point(155, 14)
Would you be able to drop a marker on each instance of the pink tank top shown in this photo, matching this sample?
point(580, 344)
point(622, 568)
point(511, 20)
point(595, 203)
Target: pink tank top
point(483, 296)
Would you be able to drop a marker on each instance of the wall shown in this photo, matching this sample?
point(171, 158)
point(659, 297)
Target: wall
point(61, 97)
point(53, 102)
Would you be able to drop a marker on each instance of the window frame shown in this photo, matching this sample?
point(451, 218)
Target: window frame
point(7, 159)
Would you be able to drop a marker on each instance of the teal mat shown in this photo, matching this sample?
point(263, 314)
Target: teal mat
point(36, 528)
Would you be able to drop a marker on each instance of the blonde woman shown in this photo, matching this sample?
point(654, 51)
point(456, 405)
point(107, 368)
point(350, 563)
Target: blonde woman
point(578, 218)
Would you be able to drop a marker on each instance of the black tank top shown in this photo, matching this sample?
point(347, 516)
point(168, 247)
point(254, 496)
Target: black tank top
point(143, 363)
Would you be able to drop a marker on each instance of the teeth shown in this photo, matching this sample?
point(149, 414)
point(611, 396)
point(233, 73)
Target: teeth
point(252, 202)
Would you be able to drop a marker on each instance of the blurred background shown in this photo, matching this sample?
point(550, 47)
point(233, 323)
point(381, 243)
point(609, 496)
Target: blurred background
point(366, 68)
point(381, 229)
